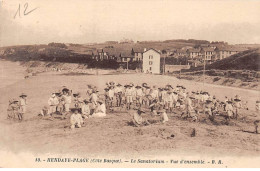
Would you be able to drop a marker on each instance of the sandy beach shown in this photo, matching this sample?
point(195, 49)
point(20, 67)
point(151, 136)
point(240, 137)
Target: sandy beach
point(10, 73)
point(113, 135)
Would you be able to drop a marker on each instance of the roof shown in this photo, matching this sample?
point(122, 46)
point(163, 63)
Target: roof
point(181, 51)
point(232, 49)
point(208, 49)
point(138, 49)
point(100, 50)
point(126, 53)
point(112, 51)
point(153, 50)
point(194, 50)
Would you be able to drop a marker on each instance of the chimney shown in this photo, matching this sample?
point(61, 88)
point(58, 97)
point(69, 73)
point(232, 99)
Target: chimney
point(144, 49)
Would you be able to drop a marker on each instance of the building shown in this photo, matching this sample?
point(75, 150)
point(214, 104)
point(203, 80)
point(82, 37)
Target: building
point(194, 63)
point(151, 61)
point(170, 52)
point(224, 52)
point(125, 56)
point(107, 54)
point(180, 53)
point(138, 56)
point(138, 53)
point(208, 54)
point(194, 53)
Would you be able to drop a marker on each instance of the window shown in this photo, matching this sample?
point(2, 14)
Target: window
point(150, 62)
point(150, 68)
point(150, 56)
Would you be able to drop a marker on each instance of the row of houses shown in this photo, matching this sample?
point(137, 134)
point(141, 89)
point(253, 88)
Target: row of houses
point(150, 58)
point(209, 54)
point(120, 56)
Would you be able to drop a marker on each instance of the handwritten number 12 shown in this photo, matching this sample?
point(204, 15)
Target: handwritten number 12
point(25, 10)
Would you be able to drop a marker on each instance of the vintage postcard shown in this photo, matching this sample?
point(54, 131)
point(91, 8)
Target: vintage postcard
point(129, 83)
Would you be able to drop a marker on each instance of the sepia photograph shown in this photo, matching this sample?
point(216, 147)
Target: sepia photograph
point(129, 84)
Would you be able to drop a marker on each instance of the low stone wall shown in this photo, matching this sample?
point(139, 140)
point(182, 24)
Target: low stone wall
point(173, 68)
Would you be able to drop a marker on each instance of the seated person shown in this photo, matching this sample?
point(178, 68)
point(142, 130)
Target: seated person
point(154, 107)
point(164, 117)
point(85, 109)
point(45, 111)
point(138, 120)
point(76, 119)
point(100, 110)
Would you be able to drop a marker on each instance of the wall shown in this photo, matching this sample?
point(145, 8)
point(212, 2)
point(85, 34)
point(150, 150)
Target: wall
point(172, 68)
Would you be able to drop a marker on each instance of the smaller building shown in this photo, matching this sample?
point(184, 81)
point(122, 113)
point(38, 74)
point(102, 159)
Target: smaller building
point(151, 61)
point(138, 56)
point(181, 53)
point(170, 52)
point(126, 56)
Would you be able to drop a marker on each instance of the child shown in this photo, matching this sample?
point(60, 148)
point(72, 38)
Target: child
point(164, 117)
point(169, 101)
point(100, 110)
point(257, 105)
point(53, 103)
point(237, 106)
point(107, 99)
point(229, 109)
point(10, 114)
point(154, 107)
point(13, 109)
point(118, 93)
point(60, 106)
point(22, 105)
point(139, 95)
point(111, 94)
point(78, 100)
point(44, 111)
point(129, 97)
point(76, 119)
point(85, 109)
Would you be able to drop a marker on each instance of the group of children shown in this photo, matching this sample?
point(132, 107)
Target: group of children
point(158, 100)
point(17, 107)
point(64, 102)
point(169, 99)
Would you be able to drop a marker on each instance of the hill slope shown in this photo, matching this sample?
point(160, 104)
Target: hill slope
point(247, 60)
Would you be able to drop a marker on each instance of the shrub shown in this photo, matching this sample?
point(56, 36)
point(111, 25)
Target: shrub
point(216, 79)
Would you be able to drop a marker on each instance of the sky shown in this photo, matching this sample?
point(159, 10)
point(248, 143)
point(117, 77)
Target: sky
point(95, 21)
